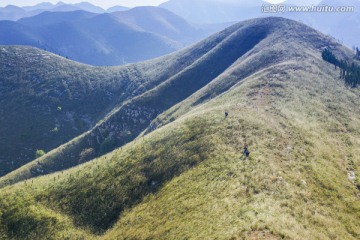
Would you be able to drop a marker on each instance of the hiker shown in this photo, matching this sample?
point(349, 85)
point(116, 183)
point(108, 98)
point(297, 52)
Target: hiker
point(246, 152)
point(226, 114)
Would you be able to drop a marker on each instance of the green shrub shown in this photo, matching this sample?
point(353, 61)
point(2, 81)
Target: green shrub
point(39, 153)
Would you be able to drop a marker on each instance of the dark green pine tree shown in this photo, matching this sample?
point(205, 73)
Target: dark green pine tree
point(328, 56)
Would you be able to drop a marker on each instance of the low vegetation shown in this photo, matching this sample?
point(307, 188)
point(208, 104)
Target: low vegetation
point(187, 177)
point(39, 153)
point(61, 99)
point(187, 73)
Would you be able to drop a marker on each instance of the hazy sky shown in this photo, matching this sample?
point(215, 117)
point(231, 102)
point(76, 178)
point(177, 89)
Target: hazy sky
point(110, 3)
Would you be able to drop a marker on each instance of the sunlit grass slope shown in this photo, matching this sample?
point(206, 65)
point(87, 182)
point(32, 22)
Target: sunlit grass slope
point(296, 184)
point(163, 83)
point(47, 100)
point(188, 178)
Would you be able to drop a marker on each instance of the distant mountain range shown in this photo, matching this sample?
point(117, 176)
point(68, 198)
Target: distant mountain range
point(14, 13)
point(105, 39)
point(205, 17)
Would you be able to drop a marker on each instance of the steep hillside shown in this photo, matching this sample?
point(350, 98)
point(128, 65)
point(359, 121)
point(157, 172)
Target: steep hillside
point(188, 178)
point(200, 65)
point(55, 99)
point(46, 100)
point(53, 127)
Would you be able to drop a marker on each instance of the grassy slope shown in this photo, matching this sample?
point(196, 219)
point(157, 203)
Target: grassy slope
point(126, 122)
point(35, 83)
point(296, 184)
point(42, 82)
point(186, 180)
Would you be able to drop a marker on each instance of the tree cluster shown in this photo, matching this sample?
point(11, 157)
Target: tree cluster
point(350, 72)
point(328, 56)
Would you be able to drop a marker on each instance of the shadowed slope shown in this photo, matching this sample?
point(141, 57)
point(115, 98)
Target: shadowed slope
point(125, 123)
point(61, 99)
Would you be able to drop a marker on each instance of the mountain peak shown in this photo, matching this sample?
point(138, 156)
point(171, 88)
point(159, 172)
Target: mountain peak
point(12, 7)
point(60, 3)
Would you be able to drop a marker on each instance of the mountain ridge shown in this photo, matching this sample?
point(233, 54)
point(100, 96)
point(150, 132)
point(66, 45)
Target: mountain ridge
point(158, 93)
point(187, 178)
point(14, 13)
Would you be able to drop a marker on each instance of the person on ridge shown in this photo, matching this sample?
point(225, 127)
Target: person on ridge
point(246, 152)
